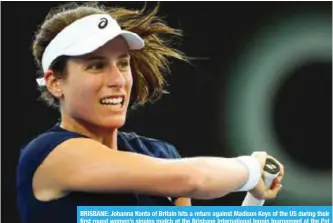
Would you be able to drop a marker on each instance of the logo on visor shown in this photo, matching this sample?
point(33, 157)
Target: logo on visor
point(103, 23)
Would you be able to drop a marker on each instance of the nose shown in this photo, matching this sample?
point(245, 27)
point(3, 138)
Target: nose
point(114, 78)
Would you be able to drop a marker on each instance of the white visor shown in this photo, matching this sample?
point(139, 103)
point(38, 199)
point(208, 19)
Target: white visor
point(85, 36)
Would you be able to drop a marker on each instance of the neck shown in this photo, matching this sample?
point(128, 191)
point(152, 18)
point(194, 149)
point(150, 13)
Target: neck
point(107, 137)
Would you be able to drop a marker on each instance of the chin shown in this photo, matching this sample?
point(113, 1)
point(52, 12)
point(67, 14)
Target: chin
point(113, 123)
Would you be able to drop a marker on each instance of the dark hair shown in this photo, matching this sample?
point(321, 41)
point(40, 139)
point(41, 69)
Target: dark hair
point(148, 64)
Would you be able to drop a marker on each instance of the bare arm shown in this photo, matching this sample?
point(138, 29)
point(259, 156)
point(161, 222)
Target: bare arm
point(86, 165)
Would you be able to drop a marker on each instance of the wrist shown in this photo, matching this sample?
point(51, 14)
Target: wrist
point(254, 172)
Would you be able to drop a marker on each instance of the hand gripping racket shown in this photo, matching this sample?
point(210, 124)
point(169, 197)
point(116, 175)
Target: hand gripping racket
point(271, 171)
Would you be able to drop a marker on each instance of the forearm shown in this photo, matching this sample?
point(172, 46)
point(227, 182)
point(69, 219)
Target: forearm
point(217, 177)
point(198, 177)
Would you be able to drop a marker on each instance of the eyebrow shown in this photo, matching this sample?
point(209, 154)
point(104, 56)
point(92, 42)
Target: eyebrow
point(89, 58)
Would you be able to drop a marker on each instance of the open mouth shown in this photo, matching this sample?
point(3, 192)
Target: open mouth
point(112, 101)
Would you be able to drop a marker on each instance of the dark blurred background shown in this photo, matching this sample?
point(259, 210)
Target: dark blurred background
point(263, 83)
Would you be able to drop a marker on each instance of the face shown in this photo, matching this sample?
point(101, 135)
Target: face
point(98, 86)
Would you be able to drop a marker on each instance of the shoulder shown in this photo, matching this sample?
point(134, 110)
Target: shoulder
point(148, 146)
point(50, 138)
point(36, 150)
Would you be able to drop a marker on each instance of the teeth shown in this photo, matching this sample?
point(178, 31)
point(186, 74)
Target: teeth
point(112, 101)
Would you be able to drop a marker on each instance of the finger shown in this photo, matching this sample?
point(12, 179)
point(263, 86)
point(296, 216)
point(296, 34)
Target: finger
point(281, 171)
point(275, 182)
point(259, 190)
point(279, 178)
point(271, 194)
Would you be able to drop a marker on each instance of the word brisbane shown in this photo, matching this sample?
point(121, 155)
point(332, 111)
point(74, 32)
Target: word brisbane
point(142, 213)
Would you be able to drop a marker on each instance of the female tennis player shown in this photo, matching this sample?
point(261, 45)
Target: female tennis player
point(97, 62)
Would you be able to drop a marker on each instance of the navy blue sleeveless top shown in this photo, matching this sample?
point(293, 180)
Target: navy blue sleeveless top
point(63, 210)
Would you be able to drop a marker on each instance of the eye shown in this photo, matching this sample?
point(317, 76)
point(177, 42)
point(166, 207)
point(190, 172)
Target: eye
point(95, 66)
point(123, 64)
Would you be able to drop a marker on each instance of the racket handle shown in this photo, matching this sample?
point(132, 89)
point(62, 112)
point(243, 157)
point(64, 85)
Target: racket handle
point(271, 171)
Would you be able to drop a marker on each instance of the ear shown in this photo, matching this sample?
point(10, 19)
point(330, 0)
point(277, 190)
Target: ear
point(53, 84)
